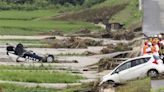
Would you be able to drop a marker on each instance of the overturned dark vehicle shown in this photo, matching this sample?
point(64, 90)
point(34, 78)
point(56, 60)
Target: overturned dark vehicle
point(19, 54)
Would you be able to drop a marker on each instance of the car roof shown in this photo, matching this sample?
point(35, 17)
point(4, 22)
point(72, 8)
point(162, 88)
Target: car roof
point(145, 56)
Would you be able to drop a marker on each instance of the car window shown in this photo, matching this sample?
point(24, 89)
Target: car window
point(139, 61)
point(147, 59)
point(124, 67)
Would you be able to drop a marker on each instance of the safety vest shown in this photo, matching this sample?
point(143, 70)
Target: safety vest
point(145, 49)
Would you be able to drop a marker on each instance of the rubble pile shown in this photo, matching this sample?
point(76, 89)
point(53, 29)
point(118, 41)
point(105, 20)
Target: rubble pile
point(115, 48)
point(107, 64)
point(74, 42)
point(127, 35)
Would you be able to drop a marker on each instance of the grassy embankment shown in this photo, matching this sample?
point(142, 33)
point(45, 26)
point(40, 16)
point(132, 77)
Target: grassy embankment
point(14, 22)
point(130, 16)
point(16, 88)
point(142, 85)
point(69, 19)
point(39, 74)
point(158, 90)
point(124, 11)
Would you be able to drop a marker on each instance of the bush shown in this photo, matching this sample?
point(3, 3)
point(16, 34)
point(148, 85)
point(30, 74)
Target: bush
point(36, 4)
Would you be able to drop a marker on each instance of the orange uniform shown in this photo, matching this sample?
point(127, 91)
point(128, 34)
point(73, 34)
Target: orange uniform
point(145, 49)
point(153, 49)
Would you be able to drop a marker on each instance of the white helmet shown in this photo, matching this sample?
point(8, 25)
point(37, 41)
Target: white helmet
point(155, 35)
point(149, 44)
point(160, 36)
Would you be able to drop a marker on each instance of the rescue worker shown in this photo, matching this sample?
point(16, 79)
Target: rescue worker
point(161, 41)
point(149, 49)
point(161, 51)
point(155, 49)
point(145, 47)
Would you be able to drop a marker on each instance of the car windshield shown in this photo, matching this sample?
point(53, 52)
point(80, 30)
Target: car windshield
point(123, 67)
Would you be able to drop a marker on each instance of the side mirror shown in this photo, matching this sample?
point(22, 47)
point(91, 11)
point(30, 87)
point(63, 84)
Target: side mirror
point(117, 71)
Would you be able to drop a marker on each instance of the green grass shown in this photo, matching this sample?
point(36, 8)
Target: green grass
point(21, 27)
point(15, 22)
point(23, 41)
point(16, 88)
point(26, 15)
point(110, 3)
point(22, 67)
point(142, 85)
point(130, 15)
point(26, 42)
point(38, 76)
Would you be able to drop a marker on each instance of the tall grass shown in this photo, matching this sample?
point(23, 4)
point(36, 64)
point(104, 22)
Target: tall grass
point(26, 15)
point(21, 27)
point(38, 76)
point(22, 67)
point(110, 3)
point(142, 85)
point(158, 90)
point(18, 88)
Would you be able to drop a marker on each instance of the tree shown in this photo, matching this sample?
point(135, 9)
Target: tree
point(18, 1)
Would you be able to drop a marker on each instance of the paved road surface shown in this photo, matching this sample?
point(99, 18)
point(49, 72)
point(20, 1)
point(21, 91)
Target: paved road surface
point(156, 84)
point(153, 21)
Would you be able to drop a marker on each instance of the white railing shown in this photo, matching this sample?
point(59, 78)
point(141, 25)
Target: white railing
point(140, 5)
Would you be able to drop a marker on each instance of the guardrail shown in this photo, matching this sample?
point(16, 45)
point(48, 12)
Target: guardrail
point(140, 5)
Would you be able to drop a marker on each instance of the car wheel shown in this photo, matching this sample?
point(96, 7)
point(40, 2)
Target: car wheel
point(109, 82)
point(153, 73)
point(50, 59)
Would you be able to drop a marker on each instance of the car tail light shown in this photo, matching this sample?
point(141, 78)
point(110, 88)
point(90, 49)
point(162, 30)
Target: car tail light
point(155, 62)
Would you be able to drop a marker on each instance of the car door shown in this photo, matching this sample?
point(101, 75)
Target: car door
point(123, 71)
point(138, 67)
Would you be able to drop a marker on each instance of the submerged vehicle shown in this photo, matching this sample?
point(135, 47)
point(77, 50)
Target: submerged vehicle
point(19, 54)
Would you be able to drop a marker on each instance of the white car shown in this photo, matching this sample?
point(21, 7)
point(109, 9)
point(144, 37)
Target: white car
point(138, 67)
